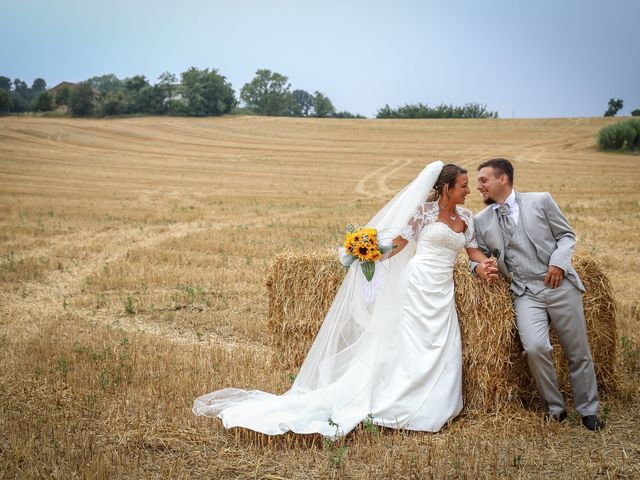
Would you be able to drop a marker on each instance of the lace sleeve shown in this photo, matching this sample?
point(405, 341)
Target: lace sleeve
point(470, 240)
point(410, 232)
point(426, 213)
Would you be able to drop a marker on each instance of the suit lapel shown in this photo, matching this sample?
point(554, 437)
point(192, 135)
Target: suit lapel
point(523, 218)
point(494, 234)
point(521, 207)
point(530, 234)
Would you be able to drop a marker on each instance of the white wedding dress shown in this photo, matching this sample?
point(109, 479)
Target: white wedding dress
point(402, 369)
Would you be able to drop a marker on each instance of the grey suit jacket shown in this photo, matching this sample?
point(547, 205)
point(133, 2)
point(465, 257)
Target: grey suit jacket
point(545, 226)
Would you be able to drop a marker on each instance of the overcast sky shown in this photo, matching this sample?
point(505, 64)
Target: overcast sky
point(535, 58)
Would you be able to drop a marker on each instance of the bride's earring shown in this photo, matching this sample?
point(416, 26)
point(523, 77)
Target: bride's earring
point(445, 192)
point(441, 197)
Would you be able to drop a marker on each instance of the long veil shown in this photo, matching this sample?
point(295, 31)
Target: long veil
point(335, 378)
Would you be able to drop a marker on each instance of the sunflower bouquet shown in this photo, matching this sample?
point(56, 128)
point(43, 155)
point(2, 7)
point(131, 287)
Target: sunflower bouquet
point(361, 244)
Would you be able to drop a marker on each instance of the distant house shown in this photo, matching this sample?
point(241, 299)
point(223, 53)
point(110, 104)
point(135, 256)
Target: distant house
point(69, 85)
point(53, 91)
point(176, 93)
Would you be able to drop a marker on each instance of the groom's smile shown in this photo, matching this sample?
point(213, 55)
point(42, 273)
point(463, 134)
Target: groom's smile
point(494, 188)
point(486, 197)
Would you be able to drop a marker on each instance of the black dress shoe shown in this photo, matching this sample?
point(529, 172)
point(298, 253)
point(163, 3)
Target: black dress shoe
point(592, 422)
point(556, 417)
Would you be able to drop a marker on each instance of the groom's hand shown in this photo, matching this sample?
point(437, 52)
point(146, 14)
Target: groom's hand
point(554, 277)
point(487, 270)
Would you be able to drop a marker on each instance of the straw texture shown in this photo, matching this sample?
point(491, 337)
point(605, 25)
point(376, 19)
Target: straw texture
point(302, 286)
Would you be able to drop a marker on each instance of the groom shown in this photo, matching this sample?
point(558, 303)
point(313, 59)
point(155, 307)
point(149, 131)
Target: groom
point(533, 244)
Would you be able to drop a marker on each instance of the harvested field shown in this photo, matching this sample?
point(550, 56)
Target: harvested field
point(133, 261)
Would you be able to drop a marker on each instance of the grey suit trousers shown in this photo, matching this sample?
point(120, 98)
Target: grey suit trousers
point(562, 309)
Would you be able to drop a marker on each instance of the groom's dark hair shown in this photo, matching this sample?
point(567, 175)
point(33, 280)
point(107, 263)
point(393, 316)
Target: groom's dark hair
point(501, 166)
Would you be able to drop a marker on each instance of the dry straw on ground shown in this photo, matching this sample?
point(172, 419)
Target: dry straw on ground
point(302, 286)
point(132, 260)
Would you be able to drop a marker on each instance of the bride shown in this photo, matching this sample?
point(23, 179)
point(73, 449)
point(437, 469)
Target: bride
point(388, 350)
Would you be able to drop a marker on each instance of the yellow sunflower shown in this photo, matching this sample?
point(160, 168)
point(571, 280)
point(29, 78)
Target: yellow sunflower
point(361, 250)
point(349, 242)
point(372, 232)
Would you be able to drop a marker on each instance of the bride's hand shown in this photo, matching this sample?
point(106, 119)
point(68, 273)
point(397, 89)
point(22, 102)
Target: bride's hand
point(487, 270)
point(398, 244)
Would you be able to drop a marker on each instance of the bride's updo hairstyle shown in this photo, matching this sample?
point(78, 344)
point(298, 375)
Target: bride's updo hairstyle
point(448, 176)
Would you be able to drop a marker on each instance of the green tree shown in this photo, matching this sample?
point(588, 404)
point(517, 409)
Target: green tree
point(154, 99)
point(301, 103)
point(135, 83)
point(81, 100)
point(106, 83)
point(37, 87)
point(636, 112)
point(62, 96)
point(615, 105)
point(167, 88)
point(345, 114)
point(137, 94)
point(19, 97)
point(42, 103)
point(476, 110)
point(21, 88)
point(322, 106)
point(206, 93)
point(5, 103)
point(5, 83)
point(168, 82)
point(18, 103)
point(420, 110)
point(385, 112)
point(112, 103)
point(267, 94)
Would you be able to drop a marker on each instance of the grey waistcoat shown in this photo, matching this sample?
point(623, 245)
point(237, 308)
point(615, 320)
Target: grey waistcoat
point(525, 268)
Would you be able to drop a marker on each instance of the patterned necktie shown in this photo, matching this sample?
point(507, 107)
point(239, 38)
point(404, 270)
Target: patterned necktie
point(505, 221)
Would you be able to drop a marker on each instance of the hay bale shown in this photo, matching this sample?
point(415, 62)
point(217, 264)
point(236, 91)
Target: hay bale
point(302, 287)
point(600, 315)
point(487, 328)
point(600, 309)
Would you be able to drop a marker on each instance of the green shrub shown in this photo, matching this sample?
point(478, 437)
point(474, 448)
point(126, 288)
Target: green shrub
point(624, 136)
point(420, 110)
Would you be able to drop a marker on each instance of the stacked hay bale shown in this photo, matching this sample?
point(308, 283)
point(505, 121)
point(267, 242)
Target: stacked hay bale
point(600, 316)
point(302, 287)
point(489, 338)
point(495, 370)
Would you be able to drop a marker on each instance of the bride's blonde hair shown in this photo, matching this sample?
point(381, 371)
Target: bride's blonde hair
point(448, 177)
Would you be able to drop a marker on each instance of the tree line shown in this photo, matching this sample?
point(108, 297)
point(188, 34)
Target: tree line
point(17, 96)
point(419, 110)
point(198, 92)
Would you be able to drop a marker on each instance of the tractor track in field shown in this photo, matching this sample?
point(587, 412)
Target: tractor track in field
point(50, 292)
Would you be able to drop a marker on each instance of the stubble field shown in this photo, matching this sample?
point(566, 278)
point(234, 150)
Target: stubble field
point(133, 254)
